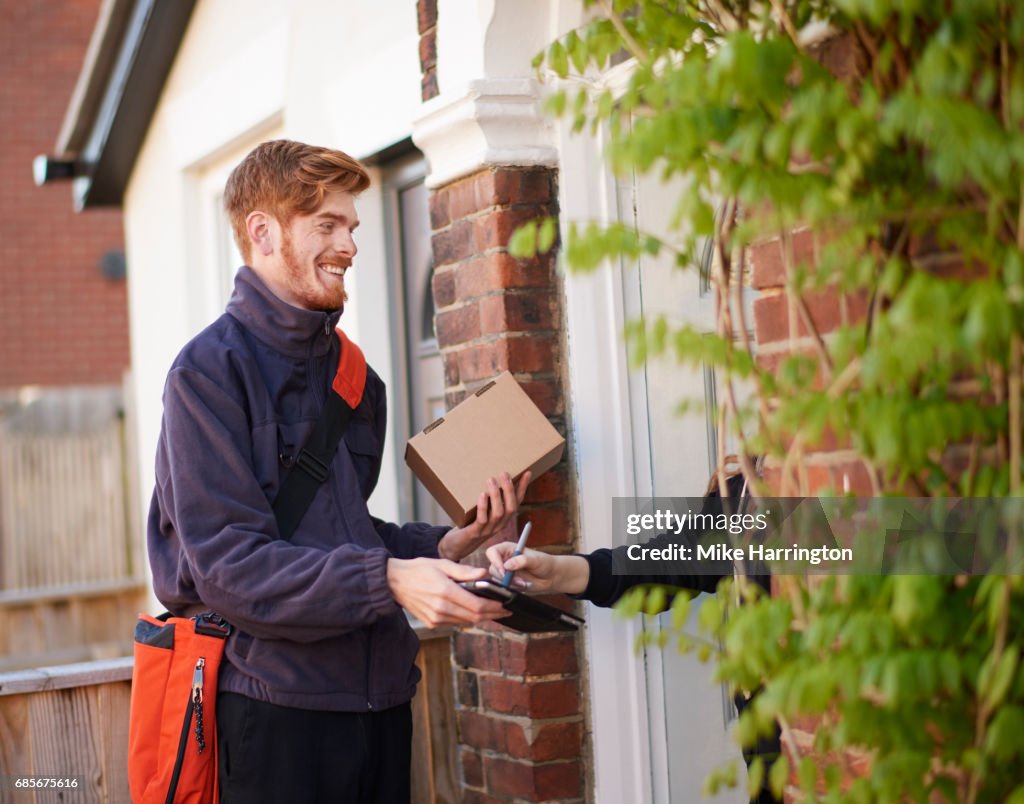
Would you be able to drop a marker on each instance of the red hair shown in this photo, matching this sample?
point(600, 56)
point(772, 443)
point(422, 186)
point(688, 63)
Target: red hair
point(285, 178)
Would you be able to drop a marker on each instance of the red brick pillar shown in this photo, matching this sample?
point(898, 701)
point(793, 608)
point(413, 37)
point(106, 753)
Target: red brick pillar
point(518, 697)
point(426, 17)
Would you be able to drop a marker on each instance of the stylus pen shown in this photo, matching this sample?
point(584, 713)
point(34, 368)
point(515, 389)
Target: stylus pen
point(507, 580)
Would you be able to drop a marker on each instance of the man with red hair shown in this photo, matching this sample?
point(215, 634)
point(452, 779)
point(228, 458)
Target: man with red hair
point(318, 672)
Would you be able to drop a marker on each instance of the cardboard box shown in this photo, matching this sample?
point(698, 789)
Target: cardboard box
point(497, 429)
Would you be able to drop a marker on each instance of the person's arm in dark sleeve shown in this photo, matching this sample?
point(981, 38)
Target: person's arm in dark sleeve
point(211, 503)
point(589, 576)
point(605, 587)
point(412, 540)
point(593, 576)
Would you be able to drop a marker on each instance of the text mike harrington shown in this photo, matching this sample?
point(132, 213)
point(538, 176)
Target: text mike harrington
point(668, 522)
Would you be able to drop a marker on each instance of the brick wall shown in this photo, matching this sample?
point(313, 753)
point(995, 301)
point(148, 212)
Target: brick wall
point(831, 465)
point(518, 697)
point(780, 330)
point(780, 323)
point(61, 321)
point(426, 14)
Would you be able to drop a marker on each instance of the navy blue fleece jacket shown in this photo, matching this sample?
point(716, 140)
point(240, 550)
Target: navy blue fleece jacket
point(315, 624)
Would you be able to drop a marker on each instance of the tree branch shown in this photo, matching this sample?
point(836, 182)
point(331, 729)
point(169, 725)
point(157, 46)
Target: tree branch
point(628, 39)
point(787, 23)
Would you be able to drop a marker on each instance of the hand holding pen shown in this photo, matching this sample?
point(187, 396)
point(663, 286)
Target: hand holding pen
point(522, 568)
point(520, 546)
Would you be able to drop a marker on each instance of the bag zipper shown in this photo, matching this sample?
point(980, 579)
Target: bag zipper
point(197, 701)
point(195, 706)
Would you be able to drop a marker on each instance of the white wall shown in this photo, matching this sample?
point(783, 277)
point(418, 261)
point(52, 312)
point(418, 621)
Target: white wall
point(325, 71)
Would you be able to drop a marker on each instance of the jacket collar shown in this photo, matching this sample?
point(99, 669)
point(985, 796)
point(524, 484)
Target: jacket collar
point(290, 330)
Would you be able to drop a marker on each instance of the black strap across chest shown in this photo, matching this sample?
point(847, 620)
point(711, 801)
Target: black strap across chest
point(312, 465)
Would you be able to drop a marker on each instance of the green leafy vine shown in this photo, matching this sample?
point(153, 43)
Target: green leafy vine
point(879, 147)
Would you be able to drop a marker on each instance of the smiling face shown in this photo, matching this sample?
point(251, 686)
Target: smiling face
point(304, 261)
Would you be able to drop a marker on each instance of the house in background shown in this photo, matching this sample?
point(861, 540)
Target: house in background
point(70, 562)
point(441, 101)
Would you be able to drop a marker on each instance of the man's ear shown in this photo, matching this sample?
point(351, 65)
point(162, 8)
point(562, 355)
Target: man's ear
point(259, 227)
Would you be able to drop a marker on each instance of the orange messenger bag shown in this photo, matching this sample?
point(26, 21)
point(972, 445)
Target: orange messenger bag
point(174, 696)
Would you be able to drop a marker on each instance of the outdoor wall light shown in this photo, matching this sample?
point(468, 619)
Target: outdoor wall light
point(113, 265)
point(50, 168)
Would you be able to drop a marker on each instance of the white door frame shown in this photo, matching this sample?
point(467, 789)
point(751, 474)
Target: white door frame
point(603, 444)
point(612, 458)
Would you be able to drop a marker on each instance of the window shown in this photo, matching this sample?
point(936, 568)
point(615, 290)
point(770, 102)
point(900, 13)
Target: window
point(418, 389)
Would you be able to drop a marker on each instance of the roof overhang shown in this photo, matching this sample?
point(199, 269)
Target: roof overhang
point(129, 57)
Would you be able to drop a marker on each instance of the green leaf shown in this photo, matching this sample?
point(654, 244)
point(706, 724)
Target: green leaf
point(555, 104)
point(632, 602)
point(808, 774)
point(546, 235)
point(755, 777)
point(710, 615)
point(558, 59)
point(523, 242)
point(655, 602)
point(1004, 741)
point(680, 610)
point(1002, 676)
point(577, 50)
point(778, 776)
point(1017, 796)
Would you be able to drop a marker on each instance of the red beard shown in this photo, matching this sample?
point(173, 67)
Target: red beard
point(305, 284)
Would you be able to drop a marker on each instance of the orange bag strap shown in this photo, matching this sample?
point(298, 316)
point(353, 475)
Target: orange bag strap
point(350, 379)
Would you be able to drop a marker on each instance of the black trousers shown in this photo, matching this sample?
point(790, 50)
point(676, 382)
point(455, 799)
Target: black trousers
point(274, 754)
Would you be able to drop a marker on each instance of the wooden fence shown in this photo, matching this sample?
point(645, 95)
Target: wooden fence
point(73, 623)
point(435, 763)
point(66, 722)
point(71, 557)
point(72, 721)
point(66, 507)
